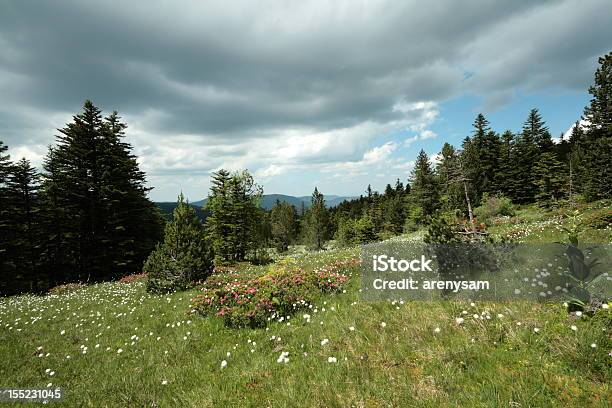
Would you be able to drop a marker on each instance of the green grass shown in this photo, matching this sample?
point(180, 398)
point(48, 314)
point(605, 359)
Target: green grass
point(487, 361)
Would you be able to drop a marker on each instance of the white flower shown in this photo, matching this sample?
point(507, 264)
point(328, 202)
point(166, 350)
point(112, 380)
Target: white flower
point(283, 357)
point(383, 325)
point(459, 320)
point(223, 364)
point(49, 385)
point(63, 332)
point(119, 351)
point(164, 382)
point(352, 328)
point(536, 330)
point(578, 313)
point(437, 330)
point(332, 359)
point(605, 306)
point(574, 328)
point(324, 342)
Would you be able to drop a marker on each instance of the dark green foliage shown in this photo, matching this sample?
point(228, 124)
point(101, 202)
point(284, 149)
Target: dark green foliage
point(494, 206)
point(25, 233)
point(353, 232)
point(316, 222)
point(98, 220)
point(184, 257)
point(5, 228)
point(235, 215)
point(283, 218)
point(550, 178)
point(425, 190)
point(592, 148)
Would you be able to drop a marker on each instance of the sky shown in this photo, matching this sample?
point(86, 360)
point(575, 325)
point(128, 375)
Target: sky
point(336, 95)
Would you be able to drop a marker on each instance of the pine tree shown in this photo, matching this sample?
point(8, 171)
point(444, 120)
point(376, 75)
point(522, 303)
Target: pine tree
point(316, 222)
point(283, 218)
point(595, 147)
point(424, 188)
point(6, 266)
point(184, 256)
point(233, 224)
point(507, 174)
point(447, 170)
point(533, 141)
point(99, 221)
point(550, 178)
point(23, 188)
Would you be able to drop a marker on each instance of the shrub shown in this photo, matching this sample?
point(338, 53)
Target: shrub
point(494, 206)
point(251, 301)
point(598, 219)
point(135, 277)
point(184, 256)
point(66, 288)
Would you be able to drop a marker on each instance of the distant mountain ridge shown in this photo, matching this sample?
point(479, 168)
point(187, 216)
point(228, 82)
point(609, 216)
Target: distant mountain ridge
point(267, 202)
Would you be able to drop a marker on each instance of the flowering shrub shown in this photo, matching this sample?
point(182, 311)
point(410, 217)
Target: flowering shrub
point(68, 287)
point(133, 278)
point(244, 300)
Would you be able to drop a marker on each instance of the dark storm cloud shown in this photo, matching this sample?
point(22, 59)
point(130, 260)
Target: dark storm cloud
point(230, 71)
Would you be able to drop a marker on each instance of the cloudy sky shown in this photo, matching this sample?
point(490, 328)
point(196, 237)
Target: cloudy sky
point(302, 93)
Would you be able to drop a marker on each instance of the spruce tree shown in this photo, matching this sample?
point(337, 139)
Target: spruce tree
point(316, 222)
point(533, 141)
point(233, 225)
point(23, 189)
point(6, 266)
point(550, 178)
point(425, 191)
point(184, 256)
point(595, 148)
point(283, 218)
point(100, 223)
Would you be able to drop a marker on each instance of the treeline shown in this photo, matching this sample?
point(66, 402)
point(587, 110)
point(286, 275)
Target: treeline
point(522, 168)
point(85, 218)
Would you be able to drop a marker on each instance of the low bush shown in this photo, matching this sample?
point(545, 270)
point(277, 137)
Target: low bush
point(252, 301)
point(598, 219)
point(494, 206)
point(66, 288)
point(135, 277)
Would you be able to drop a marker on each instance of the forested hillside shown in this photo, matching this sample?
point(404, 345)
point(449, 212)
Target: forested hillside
point(86, 216)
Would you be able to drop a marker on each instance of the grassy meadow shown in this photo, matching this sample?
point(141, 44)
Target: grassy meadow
point(113, 344)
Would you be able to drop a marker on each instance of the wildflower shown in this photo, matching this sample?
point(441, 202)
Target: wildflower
point(383, 325)
point(605, 306)
point(283, 357)
point(536, 330)
point(332, 359)
point(324, 342)
point(352, 328)
point(164, 382)
point(593, 345)
point(223, 364)
point(437, 330)
point(573, 327)
point(459, 320)
point(119, 351)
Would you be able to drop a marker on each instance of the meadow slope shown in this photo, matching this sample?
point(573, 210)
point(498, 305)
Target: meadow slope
point(113, 344)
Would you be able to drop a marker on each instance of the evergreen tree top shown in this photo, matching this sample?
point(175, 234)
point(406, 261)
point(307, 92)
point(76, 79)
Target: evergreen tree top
point(599, 110)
